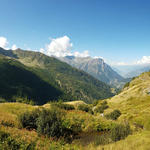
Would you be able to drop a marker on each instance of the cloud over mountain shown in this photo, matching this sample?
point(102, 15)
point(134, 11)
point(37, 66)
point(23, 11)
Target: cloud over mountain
point(62, 46)
point(14, 47)
point(59, 47)
point(3, 42)
point(144, 60)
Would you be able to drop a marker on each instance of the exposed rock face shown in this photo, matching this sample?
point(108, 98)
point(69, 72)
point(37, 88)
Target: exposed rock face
point(95, 67)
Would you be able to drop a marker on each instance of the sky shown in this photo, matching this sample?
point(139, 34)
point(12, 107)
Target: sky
point(116, 30)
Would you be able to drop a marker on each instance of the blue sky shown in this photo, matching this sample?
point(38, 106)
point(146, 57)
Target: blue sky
point(117, 30)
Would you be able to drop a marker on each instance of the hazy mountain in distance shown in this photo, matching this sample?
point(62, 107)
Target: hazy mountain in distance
point(97, 68)
point(129, 71)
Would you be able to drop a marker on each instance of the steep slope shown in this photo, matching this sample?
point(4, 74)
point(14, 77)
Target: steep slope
point(134, 102)
point(97, 68)
point(18, 82)
point(75, 84)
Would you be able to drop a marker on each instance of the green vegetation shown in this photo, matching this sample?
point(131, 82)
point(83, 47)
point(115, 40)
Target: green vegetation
point(9, 143)
point(62, 106)
point(47, 122)
point(28, 119)
point(120, 132)
point(116, 133)
point(113, 115)
point(41, 124)
point(34, 77)
point(85, 107)
point(100, 108)
point(18, 83)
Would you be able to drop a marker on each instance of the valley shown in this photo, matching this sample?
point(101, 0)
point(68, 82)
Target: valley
point(88, 128)
point(75, 75)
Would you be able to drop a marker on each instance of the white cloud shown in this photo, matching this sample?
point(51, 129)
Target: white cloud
point(61, 47)
point(14, 47)
point(144, 60)
point(97, 57)
point(3, 42)
point(83, 54)
point(42, 50)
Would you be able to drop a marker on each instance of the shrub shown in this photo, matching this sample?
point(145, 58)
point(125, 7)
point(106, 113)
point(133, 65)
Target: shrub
point(50, 123)
point(74, 123)
point(113, 115)
point(85, 108)
point(102, 139)
point(119, 132)
point(116, 133)
point(63, 106)
point(28, 119)
point(95, 102)
point(9, 143)
point(102, 107)
point(7, 123)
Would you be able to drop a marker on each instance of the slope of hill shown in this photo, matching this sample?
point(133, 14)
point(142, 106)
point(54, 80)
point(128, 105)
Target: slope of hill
point(97, 68)
point(18, 82)
point(72, 83)
point(134, 102)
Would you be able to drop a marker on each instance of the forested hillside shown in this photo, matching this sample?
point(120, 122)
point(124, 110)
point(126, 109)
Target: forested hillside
point(61, 81)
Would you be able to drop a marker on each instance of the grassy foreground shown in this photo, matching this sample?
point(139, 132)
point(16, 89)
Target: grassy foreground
point(139, 140)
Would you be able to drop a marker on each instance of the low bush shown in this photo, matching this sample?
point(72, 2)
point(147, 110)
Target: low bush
point(63, 106)
point(7, 123)
point(113, 115)
point(28, 119)
point(85, 108)
point(95, 102)
point(120, 132)
point(48, 122)
point(116, 133)
point(101, 108)
point(9, 143)
point(102, 139)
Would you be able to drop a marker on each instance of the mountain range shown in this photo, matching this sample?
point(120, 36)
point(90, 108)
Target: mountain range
point(130, 71)
point(29, 75)
point(97, 68)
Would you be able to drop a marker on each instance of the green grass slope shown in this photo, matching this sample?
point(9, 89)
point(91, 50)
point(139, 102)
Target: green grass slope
point(18, 83)
point(75, 84)
point(134, 102)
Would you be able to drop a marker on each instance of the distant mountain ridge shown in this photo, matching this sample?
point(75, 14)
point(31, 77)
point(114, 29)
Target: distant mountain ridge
point(95, 67)
point(138, 71)
point(130, 71)
point(70, 83)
